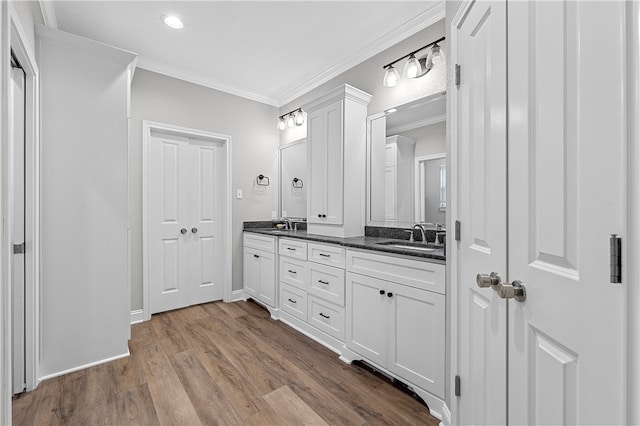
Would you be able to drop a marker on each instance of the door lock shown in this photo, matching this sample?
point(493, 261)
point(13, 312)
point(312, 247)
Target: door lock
point(515, 290)
point(484, 280)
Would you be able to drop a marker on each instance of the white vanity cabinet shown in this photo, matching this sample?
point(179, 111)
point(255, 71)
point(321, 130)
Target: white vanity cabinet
point(395, 319)
point(336, 138)
point(259, 268)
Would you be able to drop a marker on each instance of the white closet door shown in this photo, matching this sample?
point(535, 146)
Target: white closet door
point(482, 145)
point(206, 195)
point(169, 223)
point(567, 193)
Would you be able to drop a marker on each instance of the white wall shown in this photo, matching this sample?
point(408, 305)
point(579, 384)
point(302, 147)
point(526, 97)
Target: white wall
point(84, 208)
point(254, 150)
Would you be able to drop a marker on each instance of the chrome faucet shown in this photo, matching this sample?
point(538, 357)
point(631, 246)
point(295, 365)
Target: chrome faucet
point(422, 234)
point(287, 221)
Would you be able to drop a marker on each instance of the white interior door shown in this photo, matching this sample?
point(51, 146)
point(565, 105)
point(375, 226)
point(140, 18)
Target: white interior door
point(566, 196)
point(206, 201)
point(185, 198)
point(482, 198)
point(17, 99)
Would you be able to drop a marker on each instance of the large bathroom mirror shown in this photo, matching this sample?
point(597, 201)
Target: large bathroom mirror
point(406, 174)
point(293, 180)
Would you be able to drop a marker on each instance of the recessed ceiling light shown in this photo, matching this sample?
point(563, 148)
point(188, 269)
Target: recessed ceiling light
point(172, 21)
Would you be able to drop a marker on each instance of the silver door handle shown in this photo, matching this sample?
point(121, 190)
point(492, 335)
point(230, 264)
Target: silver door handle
point(484, 280)
point(515, 290)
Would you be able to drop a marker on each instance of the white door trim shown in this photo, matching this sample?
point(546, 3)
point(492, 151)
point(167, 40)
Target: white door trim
point(147, 127)
point(452, 214)
point(633, 226)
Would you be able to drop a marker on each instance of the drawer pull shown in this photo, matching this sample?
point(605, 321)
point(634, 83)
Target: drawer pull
point(325, 255)
point(323, 282)
point(256, 256)
point(293, 272)
point(292, 301)
point(324, 316)
point(291, 249)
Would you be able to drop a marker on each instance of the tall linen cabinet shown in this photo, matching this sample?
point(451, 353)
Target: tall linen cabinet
point(85, 299)
point(336, 138)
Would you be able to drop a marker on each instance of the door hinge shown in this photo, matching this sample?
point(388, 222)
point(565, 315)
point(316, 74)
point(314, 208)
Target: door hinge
point(457, 230)
point(457, 75)
point(456, 386)
point(18, 248)
point(615, 249)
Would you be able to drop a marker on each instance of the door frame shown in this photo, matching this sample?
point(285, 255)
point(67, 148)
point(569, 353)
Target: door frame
point(632, 248)
point(631, 270)
point(147, 128)
point(15, 39)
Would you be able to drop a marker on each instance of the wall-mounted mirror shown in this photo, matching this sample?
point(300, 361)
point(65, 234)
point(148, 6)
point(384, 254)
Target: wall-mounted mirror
point(293, 180)
point(406, 174)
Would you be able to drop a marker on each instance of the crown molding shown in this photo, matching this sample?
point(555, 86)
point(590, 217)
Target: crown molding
point(46, 34)
point(418, 23)
point(189, 77)
point(48, 13)
point(343, 91)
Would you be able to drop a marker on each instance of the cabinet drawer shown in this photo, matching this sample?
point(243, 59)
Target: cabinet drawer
point(293, 301)
point(260, 242)
point(326, 282)
point(326, 254)
point(293, 272)
point(399, 269)
point(326, 316)
point(293, 248)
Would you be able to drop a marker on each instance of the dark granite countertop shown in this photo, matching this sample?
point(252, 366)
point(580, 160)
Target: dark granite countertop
point(366, 243)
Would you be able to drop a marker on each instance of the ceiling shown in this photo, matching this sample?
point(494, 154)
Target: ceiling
point(268, 51)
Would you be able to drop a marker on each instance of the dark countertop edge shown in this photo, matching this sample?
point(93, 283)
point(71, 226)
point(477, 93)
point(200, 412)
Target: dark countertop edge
point(365, 243)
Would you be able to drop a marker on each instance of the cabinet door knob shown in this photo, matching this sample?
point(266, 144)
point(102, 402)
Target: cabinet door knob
point(183, 231)
point(194, 230)
point(256, 256)
point(382, 292)
point(389, 294)
point(319, 215)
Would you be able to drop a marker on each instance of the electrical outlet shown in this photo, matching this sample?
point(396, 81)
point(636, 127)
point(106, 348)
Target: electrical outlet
point(239, 194)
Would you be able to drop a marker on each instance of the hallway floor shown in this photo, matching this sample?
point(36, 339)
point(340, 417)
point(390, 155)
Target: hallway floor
point(220, 363)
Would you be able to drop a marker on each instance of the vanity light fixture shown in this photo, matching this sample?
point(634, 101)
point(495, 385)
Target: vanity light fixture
point(172, 21)
point(416, 66)
point(291, 119)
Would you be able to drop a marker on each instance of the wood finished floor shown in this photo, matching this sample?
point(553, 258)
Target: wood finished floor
point(225, 364)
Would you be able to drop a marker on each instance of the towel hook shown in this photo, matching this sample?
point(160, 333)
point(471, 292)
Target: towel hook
point(297, 183)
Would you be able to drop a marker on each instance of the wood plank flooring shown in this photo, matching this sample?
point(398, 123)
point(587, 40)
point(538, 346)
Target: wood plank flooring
point(217, 363)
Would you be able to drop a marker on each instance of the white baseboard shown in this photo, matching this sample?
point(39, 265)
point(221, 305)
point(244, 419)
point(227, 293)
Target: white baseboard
point(82, 367)
point(137, 316)
point(313, 333)
point(237, 295)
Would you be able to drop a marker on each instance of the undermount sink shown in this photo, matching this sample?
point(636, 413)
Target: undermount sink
point(409, 246)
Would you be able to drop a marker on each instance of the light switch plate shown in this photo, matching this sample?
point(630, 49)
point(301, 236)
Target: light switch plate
point(239, 194)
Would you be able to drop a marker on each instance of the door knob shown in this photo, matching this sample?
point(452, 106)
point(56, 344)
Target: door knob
point(194, 230)
point(183, 231)
point(515, 290)
point(484, 280)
